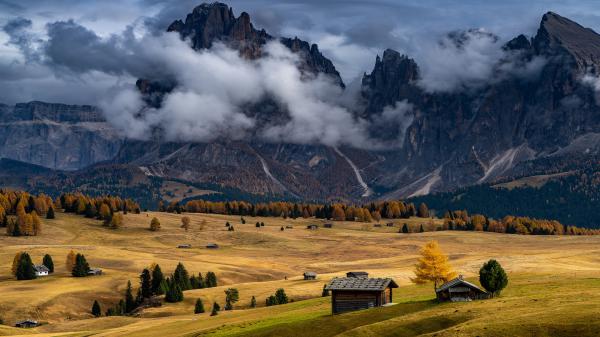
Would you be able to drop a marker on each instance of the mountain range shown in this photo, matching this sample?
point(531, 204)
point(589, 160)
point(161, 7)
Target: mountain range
point(540, 109)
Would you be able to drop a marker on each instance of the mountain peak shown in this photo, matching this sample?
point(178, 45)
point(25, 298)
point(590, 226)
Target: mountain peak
point(558, 34)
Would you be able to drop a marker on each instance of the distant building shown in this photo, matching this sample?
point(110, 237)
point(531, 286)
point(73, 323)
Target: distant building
point(95, 272)
point(185, 246)
point(310, 275)
point(459, 290)
point(41, 270)
point(328, 225)
point(377, 225)
point(28, 323)
point(390, 224)
point(357, 274)
point(357, 293)
point(312, 227)
point(212, 246)
point(289, 227)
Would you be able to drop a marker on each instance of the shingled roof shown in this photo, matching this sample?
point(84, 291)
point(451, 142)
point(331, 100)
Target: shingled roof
point(455, 282)
point(365, 284)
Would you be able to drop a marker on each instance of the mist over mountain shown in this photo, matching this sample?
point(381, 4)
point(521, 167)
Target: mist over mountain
point(220, 101)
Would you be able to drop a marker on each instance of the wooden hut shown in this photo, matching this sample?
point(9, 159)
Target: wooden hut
point(41, 270)
point(185, 246)
point(357, 293)
point(328, 225)
point(459, 290)
point(212, 246)
point(357, 274)
point(390, 224)
point(95, 272)
point(310, 275)
point(312, 227)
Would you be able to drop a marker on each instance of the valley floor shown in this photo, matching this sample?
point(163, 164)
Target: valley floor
point(554, 287)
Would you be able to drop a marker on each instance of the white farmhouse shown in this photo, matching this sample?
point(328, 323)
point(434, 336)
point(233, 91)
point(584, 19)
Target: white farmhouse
point(41, 270)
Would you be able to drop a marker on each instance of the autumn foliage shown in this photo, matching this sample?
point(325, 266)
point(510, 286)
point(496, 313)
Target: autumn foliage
point(433, 266)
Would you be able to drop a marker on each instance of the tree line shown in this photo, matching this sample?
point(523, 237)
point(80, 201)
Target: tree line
point(461, 220)
point(20, 212)
point(374, 211)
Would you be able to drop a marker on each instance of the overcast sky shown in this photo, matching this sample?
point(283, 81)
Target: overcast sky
point(350, 33)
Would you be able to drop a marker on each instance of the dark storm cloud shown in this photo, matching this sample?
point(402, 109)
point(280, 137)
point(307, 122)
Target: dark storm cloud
point(70, 37)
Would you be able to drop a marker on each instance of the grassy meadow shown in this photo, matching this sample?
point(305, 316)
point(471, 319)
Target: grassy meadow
point(554, 282)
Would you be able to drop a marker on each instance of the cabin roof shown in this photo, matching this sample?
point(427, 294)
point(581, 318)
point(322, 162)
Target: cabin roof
point(27, 321)
point(363, 284)
point(41, 268)
point(310, 273)
point(455, 282)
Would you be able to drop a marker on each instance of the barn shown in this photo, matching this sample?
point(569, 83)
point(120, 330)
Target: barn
point(459, 290)
point(357, 293)
point(41, 270)
point(310, 275)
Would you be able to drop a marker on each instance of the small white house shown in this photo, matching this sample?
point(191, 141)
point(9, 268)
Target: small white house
point(41, 270)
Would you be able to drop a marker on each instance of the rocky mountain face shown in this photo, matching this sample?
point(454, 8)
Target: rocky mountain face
point(480, 135)
point(57, 136)
point(499, 130)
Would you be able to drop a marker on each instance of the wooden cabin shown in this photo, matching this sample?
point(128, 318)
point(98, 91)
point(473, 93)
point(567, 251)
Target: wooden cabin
point(357, 293)
point(390, 224)
point(185, 246)
point(312, 227)
point(28, 323)
point(459, 290)
point(377, 225)
point(310, 275)
point(289, 227)
point(212, 246)
point(357, 274)
point(41, 270)
point(328, 225)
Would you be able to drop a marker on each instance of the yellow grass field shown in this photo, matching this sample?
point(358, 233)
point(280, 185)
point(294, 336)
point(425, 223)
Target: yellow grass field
point(554, 286)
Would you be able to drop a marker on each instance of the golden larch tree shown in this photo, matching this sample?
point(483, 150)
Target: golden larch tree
point(15, 263)
point(185, 223)
point(433, 266)
point(70, 261)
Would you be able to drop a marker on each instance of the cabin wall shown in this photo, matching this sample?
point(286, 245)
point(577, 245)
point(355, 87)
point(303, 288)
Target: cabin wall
point(343, 301)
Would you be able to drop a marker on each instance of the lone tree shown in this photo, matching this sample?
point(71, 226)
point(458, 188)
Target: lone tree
point(405, 228)
point(253, 302)
point(433, 266)
point(280, 296)
point(96, 310)
point(185, 223)
point(199, 308)
point(15, 264)
point(231, 296)
point(47, 261)
point(25, 270)
point(215, 309)
point(81, 267)
point(154, 225)
point(493, 277)
point(50, 213)
point(70, 262)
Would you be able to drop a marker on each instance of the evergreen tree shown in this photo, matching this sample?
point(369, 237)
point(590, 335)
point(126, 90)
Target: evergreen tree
point(129, 299)
point(15, 264)
point(271, 300)
point(211, 280)
point(146, 283)
point(243, 220)
point(231, 296)
point(81, 267)
point(421, 230)
point(280, 296)
point(50, 213)
point(493, 277)
point(25, 269)
point(405, 229)
point(47, 261)
point(181, 277)
point(325, 292)
point(199, 308)
point(96, 310)
point(253, 302)
point(157, 280)
point(174, 294)
point(215, 309)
